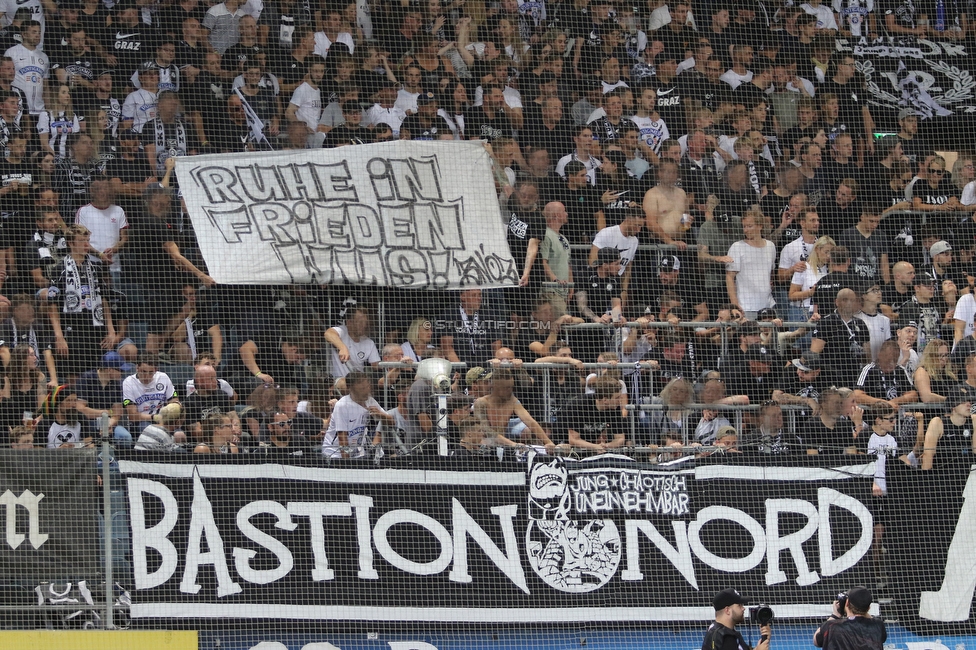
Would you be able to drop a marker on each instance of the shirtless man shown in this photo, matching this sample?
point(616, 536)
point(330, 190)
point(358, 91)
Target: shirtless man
point(498, 407)
point(665, 205)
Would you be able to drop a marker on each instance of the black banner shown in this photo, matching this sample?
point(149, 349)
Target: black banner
point(540, 541)
point(49, 503)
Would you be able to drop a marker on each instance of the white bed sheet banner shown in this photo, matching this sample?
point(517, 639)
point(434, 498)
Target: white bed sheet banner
point(419, 215)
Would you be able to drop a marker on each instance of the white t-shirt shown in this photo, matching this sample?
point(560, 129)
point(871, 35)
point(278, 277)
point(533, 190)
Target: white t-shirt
point(969, 193)
point(879, 327)
point(224, 387)
point(323, 44)
point(806, 280)
point(513, 98)
point(148, 398)
point(406, 100)
point(966, 311)
point(653, 133)
point(392, 116)
point(106, 227)
point(140, 107)
point(309, 103)
point(796, 251)
point(361, 352)
point(823, 14)
point(735, 79)
point(753, 266)
point(590, 165)
point(352, 418)
point(854, 13)
point(63, 435)
point(611, 237)
point(878, 445)
point(31, 68)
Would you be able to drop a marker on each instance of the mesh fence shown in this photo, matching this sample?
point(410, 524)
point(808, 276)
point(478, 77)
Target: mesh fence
point(529, 323)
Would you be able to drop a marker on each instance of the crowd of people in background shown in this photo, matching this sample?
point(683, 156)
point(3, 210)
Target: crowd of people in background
point(824, 242)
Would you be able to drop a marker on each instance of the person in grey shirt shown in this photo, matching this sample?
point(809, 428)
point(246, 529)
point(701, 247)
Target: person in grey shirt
point(715, 238)
point(421, 412)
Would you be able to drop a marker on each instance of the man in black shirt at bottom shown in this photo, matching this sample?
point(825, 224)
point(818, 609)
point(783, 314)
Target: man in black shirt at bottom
point(730, 611)
point(594, 422)
point(853, 628)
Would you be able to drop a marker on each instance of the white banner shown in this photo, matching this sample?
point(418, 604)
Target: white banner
point(418, 215)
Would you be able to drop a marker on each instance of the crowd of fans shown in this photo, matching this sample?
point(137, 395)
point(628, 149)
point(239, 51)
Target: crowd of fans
point(737, 138)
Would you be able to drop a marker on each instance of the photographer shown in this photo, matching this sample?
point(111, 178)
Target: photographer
point(855, 629)
point(730, 611)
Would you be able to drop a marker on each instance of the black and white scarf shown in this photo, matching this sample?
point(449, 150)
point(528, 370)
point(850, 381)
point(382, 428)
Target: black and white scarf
point(170, 143)
point(81, 296)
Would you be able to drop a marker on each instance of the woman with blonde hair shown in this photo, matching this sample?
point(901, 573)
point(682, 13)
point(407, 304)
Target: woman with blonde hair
point(803, 285)
point(419, 334)
point(165, 433)
point(670, 421)
point(935, 376)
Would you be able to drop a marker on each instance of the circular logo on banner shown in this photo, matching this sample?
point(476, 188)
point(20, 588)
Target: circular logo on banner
point(575, 556)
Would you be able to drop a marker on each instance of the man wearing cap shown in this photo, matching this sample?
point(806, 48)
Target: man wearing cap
point(668, 279)
point(911, 144)
point(759, 377)
point(803, 386)
point(948, 279)
point(730, 611)
point(100, 391)
point(925, 309)
point(428, 123)
point(352, 131)
point(853, 628)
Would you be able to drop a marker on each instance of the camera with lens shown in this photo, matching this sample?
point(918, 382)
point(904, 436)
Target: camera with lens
point(842, 602)
point(761, 614)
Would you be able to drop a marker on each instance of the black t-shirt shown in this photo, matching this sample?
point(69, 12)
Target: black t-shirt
point(72, 180)
point(719, 637)
point(671, 107)
point(102, 398)
point(131, 46)
point(581, 206)
point(814, 434)
point(698, 181)
point(155, 267)
point(895, 300)
point(884, 385)
point(828, 287)
point(600, 293)
point(857, 633)
point(418, 131)
point(38, 333)
point(523, 227)
point(865, 253)
point(290, 70)
point(736, 203)
point(695, 85)
point(342, 135)
point(582, 416)
point(749, 95)
point(477, 125)
point(843, 354)
point(557, 141)
point(473, 335)
point(84, 66)
point(850, 98)
point(237, 55)
point(197, 406)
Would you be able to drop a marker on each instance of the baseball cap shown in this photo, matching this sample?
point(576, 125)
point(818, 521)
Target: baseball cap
point(426, 98)
point(906, 112)
point(607, 255)
point(728, 597)
point(749, 328)
point(860, 598)
point(759, 352)
point(901, 324)
point(924, 278)
point(767, 313)
point(476, 374)
point(939, 247)
point(115, 361)
point(726, 430)
point(809, 362)
point(148, 66)
point(960, 395)
point(670, 263)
